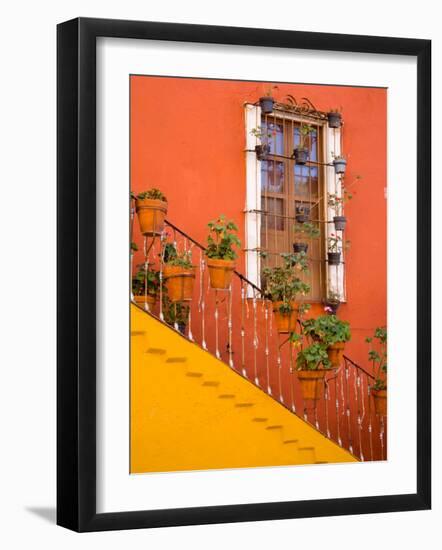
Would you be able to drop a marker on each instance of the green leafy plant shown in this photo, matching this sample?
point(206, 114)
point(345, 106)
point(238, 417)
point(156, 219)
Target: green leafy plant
point(377, 354)
point(283, 284)
point(312, 357)
point(327, 329)
point(175, 312)
point(141, 279)
point(133, 247)
point(336, 244)
point(264, 134)
point(305, 131)
point(307, 229)
point(335, 201)
point(222, 239)
point(172, 257)
point(153, 194)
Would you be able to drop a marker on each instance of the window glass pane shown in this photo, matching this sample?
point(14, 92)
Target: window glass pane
point(305, 180)
point(275, 136)
point(274, 210)
point(272, 176)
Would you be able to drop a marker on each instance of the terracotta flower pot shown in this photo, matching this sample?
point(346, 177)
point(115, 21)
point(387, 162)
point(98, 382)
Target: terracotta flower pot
point(220, 273)
point(380, 401)
point(311, 382)
point(285, 322)
point(335, 353)
point(151, 214)
point(179, 282)
point(143, 300)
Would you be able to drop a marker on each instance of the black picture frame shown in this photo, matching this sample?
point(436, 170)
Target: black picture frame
point(76, 273)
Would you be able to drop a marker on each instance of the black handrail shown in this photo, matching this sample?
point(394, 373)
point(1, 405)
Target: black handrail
point(359, 367)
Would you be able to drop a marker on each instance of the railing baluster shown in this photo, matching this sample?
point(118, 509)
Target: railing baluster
point(357, 388)
point(202, 301)
point(229, 326)
point(370, 421)
point(255, 340)
point(243, 299)
point(266, 317)
point(217, 353)
point(338, 428)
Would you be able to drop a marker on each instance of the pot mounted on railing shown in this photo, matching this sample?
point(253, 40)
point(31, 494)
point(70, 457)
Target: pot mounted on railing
point(179, 282)
point(335, 353)
point(340, 165)
point(334, 258)
point(300, 154)
point(285, 320)
point(262, 151)
point(334, 119)
point(340, 222)
point(300, 247)
point(380, 402)
point(266, 104)
point(302, 214)
point(312, 383)
point(146, 302)
point(220, 273)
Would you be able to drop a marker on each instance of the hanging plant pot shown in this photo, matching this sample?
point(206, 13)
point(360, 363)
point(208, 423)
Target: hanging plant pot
point(380, 402)
point(285, 321)
point(301, 155)
point(300, 247)
point(340, 165)
point(266, 104)
point(335, 353)
point(144, 301)
point(340, 222)
point(179, 282)
point(334, 258)
point(312, 383)
point(151, 214)
point(220, 273)
point(262, 151)
point(302, 214)
point(334, 306)
point(334, 119)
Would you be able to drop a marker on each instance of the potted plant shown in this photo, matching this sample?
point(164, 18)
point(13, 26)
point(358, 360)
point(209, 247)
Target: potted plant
point(331, 332)
point(336, 202)
point(266, 102)
point(301, 151)
point(334, 118)
point(312, 364)
point(220, 252)
point(340, 164)
point(145, 286)
point(332, 302)
point(283, 286)
point(378, 357)
point(335, 244)
point(263, 148)
point(151, 208)
point(176, 314)
point(178, 273)
point(307, 230)
point(302, 213)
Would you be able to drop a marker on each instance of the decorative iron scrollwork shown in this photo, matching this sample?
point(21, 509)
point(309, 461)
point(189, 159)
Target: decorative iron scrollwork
point(303, 107)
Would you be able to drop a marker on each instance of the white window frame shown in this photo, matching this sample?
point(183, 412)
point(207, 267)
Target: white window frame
point(335, 280)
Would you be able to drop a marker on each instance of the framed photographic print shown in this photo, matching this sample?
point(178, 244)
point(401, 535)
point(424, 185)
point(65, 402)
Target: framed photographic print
point(243, 239)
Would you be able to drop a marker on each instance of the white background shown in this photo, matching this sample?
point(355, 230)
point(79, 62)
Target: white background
point(27, 217)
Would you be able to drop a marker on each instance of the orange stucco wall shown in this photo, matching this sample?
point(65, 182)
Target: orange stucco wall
point(188, 139)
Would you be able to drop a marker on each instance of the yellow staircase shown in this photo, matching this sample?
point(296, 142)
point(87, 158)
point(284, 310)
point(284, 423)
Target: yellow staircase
point(190, 411)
